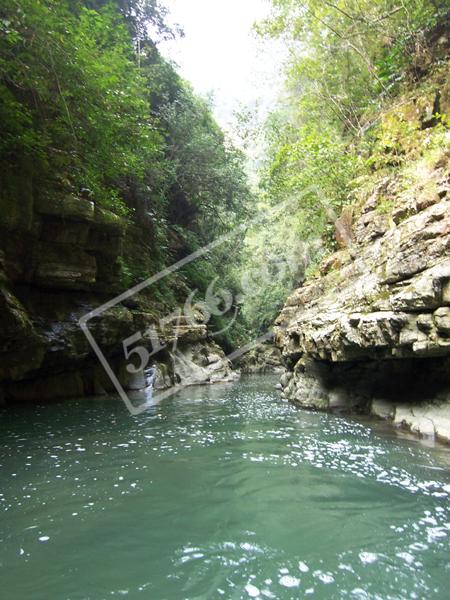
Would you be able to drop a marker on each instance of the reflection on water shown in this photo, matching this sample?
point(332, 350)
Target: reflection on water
point(218, 492)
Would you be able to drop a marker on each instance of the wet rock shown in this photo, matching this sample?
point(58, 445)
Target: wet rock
point(382, 409)
point(429, 420)
point(204, 362)
point(263, 358)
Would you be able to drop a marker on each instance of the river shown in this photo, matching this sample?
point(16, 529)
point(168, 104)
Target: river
point(218, 492)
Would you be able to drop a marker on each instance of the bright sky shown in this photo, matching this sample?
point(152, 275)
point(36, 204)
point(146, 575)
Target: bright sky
point(221, 54)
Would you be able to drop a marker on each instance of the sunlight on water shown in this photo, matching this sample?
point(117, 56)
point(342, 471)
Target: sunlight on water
point(219, 492)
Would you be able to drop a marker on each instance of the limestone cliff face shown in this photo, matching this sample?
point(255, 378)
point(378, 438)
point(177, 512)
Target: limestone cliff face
point(263, 358)
point(374, 327)
point(60, 258)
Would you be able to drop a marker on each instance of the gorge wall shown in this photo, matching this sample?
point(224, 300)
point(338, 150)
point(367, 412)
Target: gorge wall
point(371, 332)
point(377, 328)
point(60, 257)
point(111, 170)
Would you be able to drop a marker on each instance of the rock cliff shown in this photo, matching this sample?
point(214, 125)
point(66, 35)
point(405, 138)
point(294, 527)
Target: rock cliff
point(371, 332)
point(263, 358)
point(60, 258)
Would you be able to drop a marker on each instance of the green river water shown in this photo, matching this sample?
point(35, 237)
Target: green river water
point(218, 492)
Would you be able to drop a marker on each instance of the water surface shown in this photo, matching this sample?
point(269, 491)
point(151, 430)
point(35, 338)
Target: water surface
point(219, 492)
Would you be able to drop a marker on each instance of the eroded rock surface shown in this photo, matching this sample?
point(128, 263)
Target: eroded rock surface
point(61, 258)
point(263, 358)
point(380, 310)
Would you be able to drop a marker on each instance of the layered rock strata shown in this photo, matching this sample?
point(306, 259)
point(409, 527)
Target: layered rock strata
point(375, 325)
point(59, 259)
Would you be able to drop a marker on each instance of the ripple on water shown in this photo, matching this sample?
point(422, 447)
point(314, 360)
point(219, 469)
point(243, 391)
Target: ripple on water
point(218, 492)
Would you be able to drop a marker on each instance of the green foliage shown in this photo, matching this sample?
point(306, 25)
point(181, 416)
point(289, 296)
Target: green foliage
point(311, 156)
point(139, 15)
point(347, 60)
point(347, 55)
point(209, 186)
point(305, 181)
point(127, 275)
point(384, 205)
point(74, 99)
point(91, 109)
